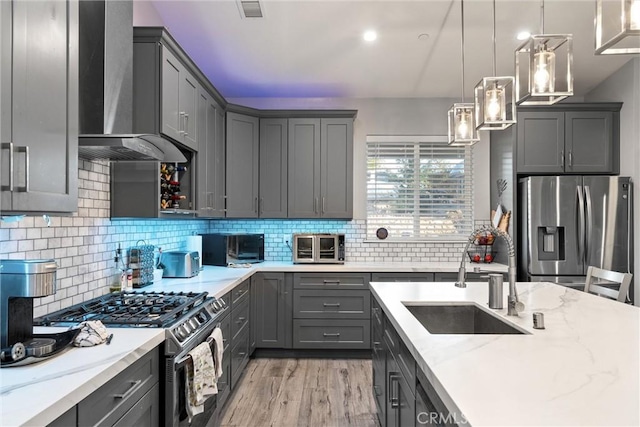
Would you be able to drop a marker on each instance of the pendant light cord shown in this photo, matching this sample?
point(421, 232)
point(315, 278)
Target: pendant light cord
point(541, 16)
point(494, 38)
point(462, 43)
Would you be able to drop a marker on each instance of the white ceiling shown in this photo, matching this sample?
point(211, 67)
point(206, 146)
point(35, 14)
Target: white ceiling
point(314, 48)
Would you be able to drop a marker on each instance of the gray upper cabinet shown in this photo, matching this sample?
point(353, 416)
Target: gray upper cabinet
point(210, 157)
point(321, 168)
point(273, 168)
point(166, 96)
point(39, 106)
point(242, 165)
point(572, 138)
point(304, 168)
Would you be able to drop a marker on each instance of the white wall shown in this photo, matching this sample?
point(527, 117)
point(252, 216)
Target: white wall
point(389, 116)
point(624, 86)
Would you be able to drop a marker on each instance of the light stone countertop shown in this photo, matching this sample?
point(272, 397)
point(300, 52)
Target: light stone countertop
point(35, 395)
point(66, 379)
point(583, 369)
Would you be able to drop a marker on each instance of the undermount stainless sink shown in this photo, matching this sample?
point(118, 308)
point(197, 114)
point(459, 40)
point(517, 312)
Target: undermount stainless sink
point(459, 319)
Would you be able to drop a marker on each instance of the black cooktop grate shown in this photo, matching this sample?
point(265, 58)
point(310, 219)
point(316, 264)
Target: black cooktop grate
point(138, 309)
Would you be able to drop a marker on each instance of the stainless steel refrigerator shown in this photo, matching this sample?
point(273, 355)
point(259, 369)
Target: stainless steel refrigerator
point(568, 223)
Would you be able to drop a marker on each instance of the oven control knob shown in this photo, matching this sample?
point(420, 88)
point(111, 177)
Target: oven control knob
point(222, 303)
point(179, 334)
point(193, 323)
point(186, 328)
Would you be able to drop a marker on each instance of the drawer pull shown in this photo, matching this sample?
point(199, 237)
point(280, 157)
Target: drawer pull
point(241, 319)
point(126, 394)
point(336, 334)
point(336, 281)
point(331, 304)
point(241, 353)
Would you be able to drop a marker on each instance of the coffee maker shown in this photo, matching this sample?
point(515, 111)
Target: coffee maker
point(20, 282)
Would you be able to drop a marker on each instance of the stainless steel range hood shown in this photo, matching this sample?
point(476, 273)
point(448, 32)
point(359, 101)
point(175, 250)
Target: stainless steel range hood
point(106, 88)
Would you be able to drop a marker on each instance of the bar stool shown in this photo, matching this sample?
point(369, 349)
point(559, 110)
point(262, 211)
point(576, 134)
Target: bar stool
point(610, 277)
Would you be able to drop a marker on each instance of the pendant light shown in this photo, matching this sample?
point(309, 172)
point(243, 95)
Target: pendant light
point(618, 23)
point(461, 116)
point(495, 97)
point(544, 63)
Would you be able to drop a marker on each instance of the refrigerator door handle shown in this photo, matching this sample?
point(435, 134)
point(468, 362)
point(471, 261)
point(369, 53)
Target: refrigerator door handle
point(581, 224)
point(589, 227)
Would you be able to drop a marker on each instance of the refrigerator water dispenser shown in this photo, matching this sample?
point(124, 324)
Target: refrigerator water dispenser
point(551, 243)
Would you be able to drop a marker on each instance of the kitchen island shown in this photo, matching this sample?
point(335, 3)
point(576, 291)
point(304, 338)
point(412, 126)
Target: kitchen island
point(583, 369)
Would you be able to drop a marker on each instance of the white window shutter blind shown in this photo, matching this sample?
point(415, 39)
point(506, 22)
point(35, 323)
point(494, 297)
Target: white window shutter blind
point(419, 190)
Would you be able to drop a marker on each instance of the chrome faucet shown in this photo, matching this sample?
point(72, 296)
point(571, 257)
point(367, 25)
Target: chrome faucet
point(514, 305)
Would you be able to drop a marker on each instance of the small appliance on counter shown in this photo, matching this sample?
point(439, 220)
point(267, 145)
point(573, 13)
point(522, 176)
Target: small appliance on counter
point(322, 248)
point(182, 264)
point(21, 282)
point(224, 249)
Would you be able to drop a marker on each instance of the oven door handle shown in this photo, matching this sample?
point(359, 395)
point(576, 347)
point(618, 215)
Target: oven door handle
point(181, 362)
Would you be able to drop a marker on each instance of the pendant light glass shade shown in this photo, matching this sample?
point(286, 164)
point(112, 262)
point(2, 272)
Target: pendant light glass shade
point(462, 129)
point(494, 97)
point(495, 103)
point(461, 117)
point(617, 27)
point(544, 69)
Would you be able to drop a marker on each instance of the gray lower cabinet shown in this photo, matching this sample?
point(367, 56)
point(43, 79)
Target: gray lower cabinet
point(272, 320)
point(320, 168)
point(378, 361)
point(131, 398)
point(210, 158)
point(69, 418)
point(273, 168)
point(331, 311)
point(39, 103)
point(471, 277)
point(402, 277)
point(568, 138)
point(332, 333)
point(242, 166)
point(240, 330)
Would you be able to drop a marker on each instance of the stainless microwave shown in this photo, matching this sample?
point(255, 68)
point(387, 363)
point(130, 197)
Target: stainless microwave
point(318, 248)
point(225, 249)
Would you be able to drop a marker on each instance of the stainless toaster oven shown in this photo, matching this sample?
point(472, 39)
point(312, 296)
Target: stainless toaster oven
point(318, 248)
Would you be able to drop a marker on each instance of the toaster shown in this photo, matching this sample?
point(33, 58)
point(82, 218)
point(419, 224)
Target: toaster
point(180, 264)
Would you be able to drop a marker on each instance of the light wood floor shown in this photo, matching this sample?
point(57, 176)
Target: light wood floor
point(303, 392)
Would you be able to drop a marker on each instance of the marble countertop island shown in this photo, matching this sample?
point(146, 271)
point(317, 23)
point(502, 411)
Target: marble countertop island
point(583, 369)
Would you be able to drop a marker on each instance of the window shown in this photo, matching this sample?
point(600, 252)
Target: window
point(419, 188)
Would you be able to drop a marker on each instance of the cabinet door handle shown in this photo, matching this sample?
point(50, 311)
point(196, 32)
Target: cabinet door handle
point(570, 158)
point(393, 390)
point(126, 394)
point(335, 334)
point(25, 150)
point(376, 344)
point(261, 206)
point(315, 205)
point(181, 122)
point(241, 319)
point(241, 353)
point(562, 157)
point(331, 304)
point(255, 205)
point(323, 205)
point(186, 124)
point(9, 146)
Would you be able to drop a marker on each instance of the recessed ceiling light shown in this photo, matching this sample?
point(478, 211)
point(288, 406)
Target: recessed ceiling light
point(523, 35)
point(370, 35)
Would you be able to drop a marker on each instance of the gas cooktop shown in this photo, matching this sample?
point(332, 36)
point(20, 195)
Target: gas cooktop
point(133, 309)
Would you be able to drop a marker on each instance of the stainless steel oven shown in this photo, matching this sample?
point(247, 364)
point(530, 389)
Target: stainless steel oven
point(318, 248)
point(188, 320)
